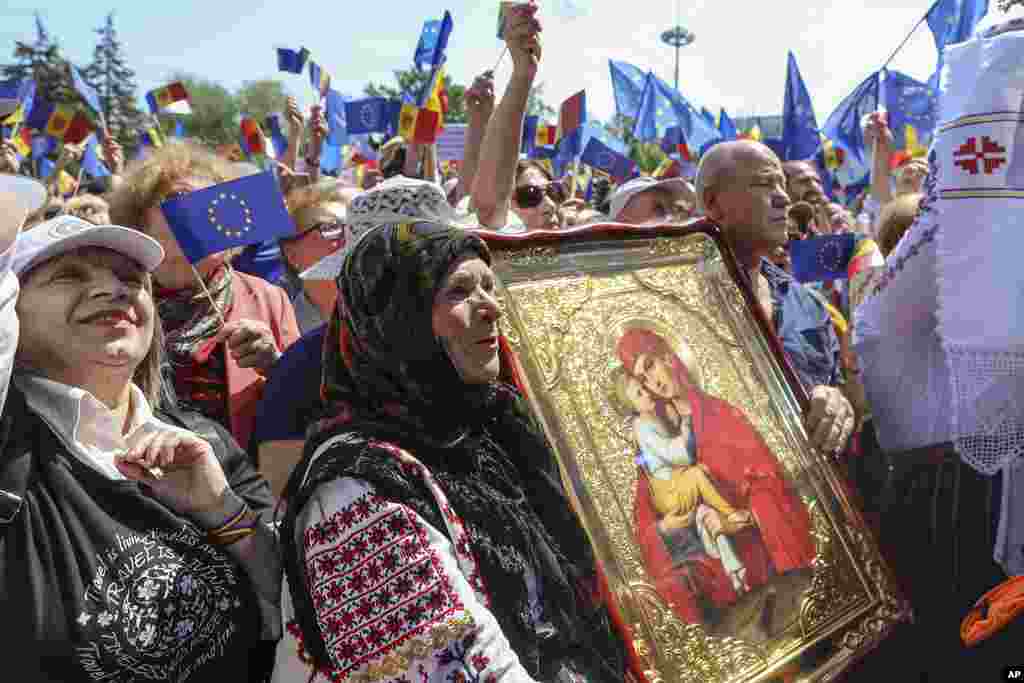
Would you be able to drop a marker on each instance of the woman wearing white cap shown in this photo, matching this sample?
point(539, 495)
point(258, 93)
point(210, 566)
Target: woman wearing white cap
point(131, 539)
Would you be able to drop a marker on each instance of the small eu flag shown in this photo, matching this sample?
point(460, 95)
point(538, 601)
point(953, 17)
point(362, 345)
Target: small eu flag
point(232, 214)
point(821, 258)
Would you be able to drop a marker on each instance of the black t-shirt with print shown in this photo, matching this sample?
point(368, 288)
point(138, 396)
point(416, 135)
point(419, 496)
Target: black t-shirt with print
point(100, 582)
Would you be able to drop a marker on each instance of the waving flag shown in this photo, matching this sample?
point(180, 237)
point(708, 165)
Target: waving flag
point(252, 140)
point(43, 145)
point(227, 215)
point(822, 258)
point(85, 91)
point(571, 116)
point(661, 107)
point(291, 61)
point(26, 96)
point(275, 127)
point(726, 126)
point(63, 121)
point(91, 162)
point(367, 115)
point(334, 111)
point(800, 138)
point(430, 50)
point(628, 86)
point(912, 109)
point(843, 129)
point(674, 142)
point(170, 99)
point(10, 97)
point(953, 21)
point(22, 141)
point(319, 78)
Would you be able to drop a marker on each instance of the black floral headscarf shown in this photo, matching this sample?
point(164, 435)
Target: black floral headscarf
point(388, 379)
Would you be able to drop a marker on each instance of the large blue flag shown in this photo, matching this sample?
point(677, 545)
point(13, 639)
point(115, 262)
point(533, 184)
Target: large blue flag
point(227, 215)
point(10, 96)
point(843, 129)
point(727, 127)
point(909, 103)
point(430, 50)
point(369, 115)
point(662, 107)
point(91, 162)
point(337, 127)
point(628, 86)
point(799, 125)
point(599, 155)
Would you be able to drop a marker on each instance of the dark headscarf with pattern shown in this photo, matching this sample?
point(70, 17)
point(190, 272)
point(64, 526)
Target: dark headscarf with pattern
point(387, 378)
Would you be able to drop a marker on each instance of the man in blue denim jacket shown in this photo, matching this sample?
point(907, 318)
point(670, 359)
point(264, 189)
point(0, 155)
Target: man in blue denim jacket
point(741, 187)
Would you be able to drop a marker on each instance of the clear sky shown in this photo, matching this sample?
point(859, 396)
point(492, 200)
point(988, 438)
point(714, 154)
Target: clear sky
point(738, 60)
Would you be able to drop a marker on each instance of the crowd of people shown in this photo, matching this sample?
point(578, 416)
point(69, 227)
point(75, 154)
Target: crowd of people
point(310, 460)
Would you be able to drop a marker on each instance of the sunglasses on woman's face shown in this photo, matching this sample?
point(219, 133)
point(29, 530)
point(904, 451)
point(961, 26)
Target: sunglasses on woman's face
point(329, 230)
point(530, 196)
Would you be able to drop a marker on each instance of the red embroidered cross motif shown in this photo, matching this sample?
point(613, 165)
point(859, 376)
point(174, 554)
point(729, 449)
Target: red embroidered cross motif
point(991, 155)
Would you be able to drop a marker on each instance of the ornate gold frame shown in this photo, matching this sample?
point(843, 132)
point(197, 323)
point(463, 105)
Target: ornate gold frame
point(566, 298)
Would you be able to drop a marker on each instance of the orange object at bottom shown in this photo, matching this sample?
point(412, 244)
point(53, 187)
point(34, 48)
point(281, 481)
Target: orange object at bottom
point(993, 611)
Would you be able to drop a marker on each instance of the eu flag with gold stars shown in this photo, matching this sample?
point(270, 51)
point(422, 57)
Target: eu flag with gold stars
point(233, 214)
point(821, 258)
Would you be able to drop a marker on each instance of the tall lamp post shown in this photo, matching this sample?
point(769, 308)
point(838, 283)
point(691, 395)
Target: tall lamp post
point(678, 37)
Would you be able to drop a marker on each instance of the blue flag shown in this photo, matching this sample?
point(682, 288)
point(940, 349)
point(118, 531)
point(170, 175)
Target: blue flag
point(292, 61)
point(10, 96)
point(599, 155)
point(821, 258)
point(727, 127)
point(430, 50)
point(708, 116)
point(529, 134)
point(275, 130)
point(843, 128)
point(799, 126)
point(953, 21)
point(179, 129)
point(46, 168)
point(91, 160)
point(909, 103)
point(337, 128)
point(662, 107)
point(232, 214)
point(628, 86)
point(330, 158)
point(86, 91)
point(368, 115)
point(42, 145)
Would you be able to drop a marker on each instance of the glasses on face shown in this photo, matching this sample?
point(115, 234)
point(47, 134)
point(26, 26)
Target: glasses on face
point(328, 230)
point(53, 212)
point(530, 196)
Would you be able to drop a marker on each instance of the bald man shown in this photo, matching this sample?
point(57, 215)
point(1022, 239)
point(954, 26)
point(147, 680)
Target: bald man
point(741, 186)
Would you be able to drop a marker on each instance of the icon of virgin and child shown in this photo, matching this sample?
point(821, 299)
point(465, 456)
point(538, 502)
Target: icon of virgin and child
point(714, 515)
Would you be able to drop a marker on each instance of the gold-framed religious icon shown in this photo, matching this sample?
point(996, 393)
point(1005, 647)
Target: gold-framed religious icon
point(731, 546)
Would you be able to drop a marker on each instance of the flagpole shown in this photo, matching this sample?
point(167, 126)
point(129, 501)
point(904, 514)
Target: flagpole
point(500, 57)
point(206, 291)
point(900, 46)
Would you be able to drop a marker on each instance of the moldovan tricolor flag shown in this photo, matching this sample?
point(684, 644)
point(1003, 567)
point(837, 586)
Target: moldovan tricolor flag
point(170, 99)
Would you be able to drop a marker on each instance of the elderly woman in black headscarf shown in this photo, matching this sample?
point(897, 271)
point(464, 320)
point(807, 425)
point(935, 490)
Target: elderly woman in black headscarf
point(428, 534)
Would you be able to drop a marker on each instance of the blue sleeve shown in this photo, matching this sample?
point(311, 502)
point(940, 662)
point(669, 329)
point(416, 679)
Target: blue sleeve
point(291, 396)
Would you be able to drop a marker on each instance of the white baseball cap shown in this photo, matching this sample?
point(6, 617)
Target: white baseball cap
point(20, 196)
point(679, 187)
point(65, 233)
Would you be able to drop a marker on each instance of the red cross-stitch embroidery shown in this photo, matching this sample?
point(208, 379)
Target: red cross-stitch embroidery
point(991, 155)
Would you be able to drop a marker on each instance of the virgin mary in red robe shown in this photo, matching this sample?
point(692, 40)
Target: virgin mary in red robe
point(745, 473)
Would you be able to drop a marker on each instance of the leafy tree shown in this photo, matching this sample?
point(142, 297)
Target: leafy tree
point(536, 106)
point(114, 83)
point(260, 98)
point(215, 112)
point(412, 81)
point(42, 61)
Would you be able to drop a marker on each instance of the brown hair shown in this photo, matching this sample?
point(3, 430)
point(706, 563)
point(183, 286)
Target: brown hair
point(523, 165)
point(301, 200)
point(145, 182)
point(75, 205)
point(896, 217)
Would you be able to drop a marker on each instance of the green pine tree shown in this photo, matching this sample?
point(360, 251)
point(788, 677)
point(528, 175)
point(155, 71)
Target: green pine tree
point(114, 83)
point(42, 61)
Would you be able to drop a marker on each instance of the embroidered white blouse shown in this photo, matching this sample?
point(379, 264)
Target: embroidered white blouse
point(394, 599)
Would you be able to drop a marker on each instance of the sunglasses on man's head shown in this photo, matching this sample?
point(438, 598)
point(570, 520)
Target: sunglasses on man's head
point(529, 196)
point(329, 230)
